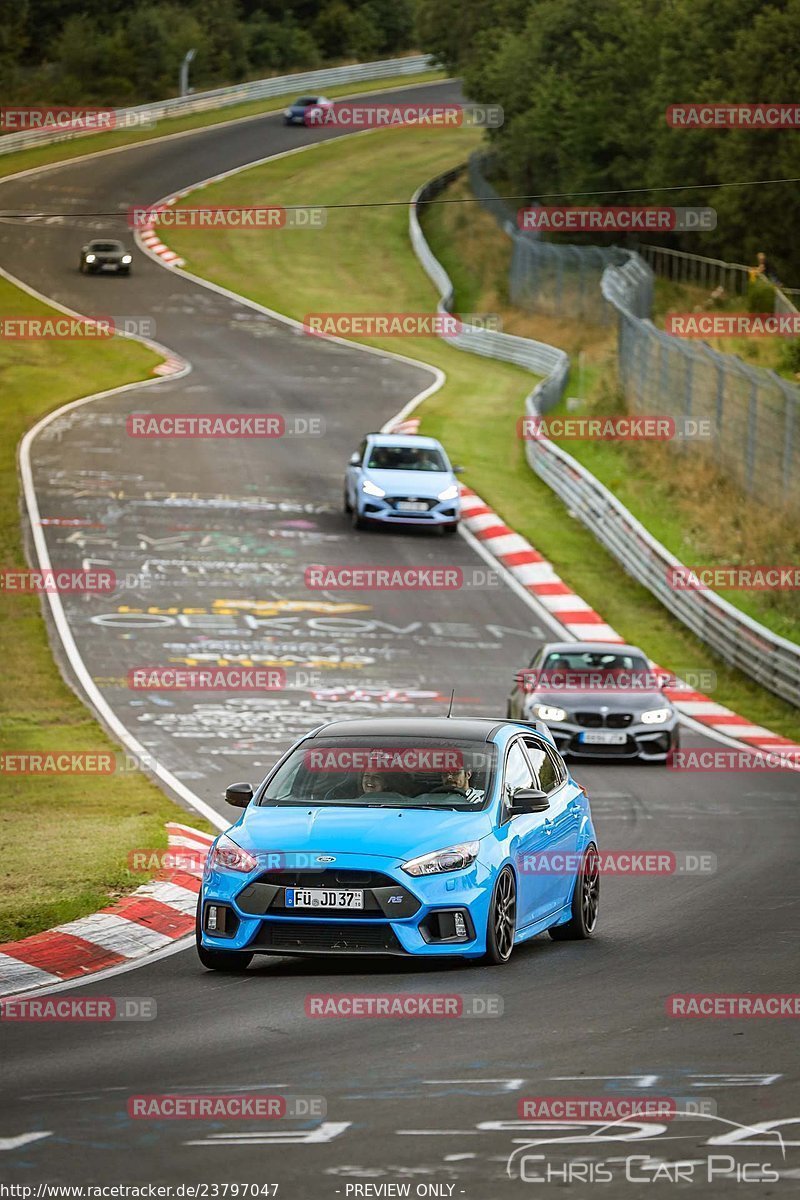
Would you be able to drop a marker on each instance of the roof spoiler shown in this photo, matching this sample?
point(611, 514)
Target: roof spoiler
point(537, 726)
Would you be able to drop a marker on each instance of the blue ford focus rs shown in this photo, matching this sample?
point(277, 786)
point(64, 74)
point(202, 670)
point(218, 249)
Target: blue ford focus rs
point(407, 836)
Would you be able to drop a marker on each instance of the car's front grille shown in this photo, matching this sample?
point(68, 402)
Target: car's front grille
point(589, 720)
point(337, 939)
point(619, 720)
point(595, 720)
point(329, 878)
point(393, 502)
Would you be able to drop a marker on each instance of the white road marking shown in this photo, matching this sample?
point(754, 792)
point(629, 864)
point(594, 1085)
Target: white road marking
point(23, 1139)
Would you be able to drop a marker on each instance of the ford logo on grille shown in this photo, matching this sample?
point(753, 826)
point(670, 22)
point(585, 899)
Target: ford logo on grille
point(325, 858)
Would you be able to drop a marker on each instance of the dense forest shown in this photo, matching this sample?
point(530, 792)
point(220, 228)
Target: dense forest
point(115, 52)
point(585, 85)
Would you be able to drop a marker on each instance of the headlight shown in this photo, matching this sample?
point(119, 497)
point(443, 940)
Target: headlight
point(126, 258)
point(454, 858)
point(230, 857)
point(656, 716)
point(287, 112)
point(372, 489)
point(90, 258)
point(449, 493)
point(546, 712)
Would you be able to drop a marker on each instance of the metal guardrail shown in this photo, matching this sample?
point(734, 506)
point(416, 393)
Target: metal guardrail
point(144, 115)
point(771, 660)
point(538, 357)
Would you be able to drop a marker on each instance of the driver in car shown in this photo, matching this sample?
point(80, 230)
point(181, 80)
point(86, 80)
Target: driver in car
point(374, 781)
point(459, 780)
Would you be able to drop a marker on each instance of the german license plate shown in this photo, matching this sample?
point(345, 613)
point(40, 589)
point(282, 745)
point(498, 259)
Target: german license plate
point(324, 898)
point(412, 506)
point(602, 737)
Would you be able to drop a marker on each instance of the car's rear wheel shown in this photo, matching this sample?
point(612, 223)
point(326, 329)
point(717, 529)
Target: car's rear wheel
point(231, 962)
point(501, 925)
point(585, 901)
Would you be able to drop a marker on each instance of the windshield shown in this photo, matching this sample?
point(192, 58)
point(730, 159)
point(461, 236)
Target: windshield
point(405, 458)
point(390, 773)
point(593, 661)
point(106, 246)
point(306, 100)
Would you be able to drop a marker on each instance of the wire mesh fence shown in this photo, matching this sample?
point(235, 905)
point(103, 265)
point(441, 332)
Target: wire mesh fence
point(746, 417)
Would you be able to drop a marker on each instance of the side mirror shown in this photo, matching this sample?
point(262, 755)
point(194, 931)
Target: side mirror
point(239, 794)
point(355, 459)
point(529, 800)
point(458, 470)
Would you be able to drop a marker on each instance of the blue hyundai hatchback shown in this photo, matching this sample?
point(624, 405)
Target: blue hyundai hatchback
point(402, 479)
point(403, 836)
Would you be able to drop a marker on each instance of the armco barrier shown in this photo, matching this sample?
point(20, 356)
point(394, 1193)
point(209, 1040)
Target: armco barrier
point(771, 660)
point(258, 89)
point(538, 357)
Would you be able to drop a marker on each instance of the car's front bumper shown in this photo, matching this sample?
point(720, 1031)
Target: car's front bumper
point(649, 743)
point(108, 264)
point(439, 512)
point(257, 920)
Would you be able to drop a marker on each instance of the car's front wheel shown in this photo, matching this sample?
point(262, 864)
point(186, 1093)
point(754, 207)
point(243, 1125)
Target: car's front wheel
point(356, 519)
point(501, 925)
point(585, 901)
point(231, 962)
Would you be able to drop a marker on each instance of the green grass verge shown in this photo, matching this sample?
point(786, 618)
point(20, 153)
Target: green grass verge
point(362, 261)
point(65, 838)
point(24, 160)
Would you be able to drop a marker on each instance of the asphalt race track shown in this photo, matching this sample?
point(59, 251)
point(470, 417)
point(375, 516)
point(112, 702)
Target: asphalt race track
point(211, 540)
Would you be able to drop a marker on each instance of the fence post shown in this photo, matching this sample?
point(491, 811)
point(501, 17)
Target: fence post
point(788, 443)
point(720, 403)
point(752, 427)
